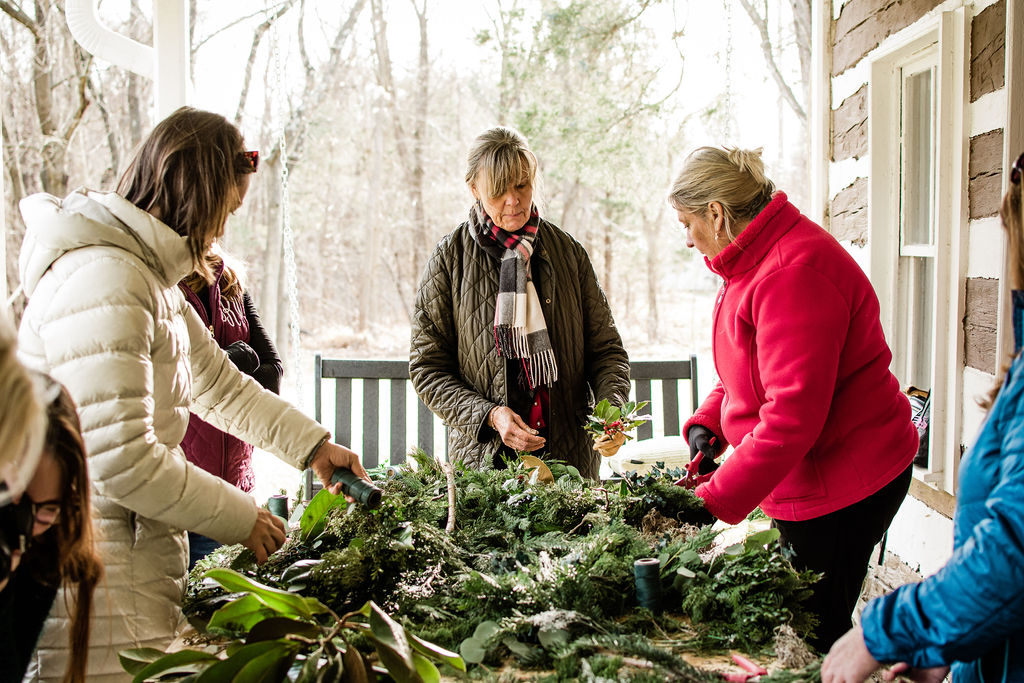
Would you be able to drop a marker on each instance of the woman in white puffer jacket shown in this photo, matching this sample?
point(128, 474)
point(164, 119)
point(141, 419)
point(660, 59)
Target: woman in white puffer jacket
point(106, 318)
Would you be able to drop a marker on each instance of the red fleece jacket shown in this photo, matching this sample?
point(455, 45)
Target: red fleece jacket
point(805, 395)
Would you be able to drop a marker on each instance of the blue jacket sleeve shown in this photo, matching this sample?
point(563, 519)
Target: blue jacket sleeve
point(977, 599)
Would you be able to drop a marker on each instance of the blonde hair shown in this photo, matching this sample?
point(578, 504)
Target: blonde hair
point(22, 418)
point(733, 177)
point(1011, 212)
point(500, 158)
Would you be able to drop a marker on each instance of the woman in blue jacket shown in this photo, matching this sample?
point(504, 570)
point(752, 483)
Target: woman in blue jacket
point(970, 614)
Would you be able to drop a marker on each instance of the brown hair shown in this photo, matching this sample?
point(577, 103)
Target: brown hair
point(67, 553)
point(733, 177)
point(1011, 211)
point(185, 174)
point(500, 158)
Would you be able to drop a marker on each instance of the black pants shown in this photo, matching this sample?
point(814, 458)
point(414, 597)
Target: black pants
point(838, 545)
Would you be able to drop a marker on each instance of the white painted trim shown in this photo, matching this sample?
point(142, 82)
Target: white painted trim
point(820, 124)
point(988, 112)
point(951, 244)
point(100, 41)
point(947, 32)
point(850, 81)
point(985, 248)
point(842, 174)
point(1013, 145)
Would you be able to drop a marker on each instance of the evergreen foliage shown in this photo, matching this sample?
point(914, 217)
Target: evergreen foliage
point(539, 574)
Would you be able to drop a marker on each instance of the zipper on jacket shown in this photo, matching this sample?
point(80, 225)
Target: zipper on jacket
point(714, 324)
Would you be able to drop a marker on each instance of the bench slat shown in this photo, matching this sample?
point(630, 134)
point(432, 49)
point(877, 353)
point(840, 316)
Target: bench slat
point(397, 421)
point(371, 422)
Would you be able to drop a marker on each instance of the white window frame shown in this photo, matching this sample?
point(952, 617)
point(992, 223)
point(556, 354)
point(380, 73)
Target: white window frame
point(945, 36)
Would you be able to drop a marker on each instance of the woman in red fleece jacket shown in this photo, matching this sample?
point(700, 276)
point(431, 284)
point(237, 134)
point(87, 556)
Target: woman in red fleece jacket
point(821, 432)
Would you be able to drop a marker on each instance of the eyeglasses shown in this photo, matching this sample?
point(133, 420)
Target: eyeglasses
point(45, 513)
point(251, 159)
point(1018, 168)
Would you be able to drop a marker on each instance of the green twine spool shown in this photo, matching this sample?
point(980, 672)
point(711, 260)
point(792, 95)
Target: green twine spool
point(647, 576)
point(278, 505)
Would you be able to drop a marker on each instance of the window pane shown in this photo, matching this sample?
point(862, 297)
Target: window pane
point(915, 320)
point(917, 158)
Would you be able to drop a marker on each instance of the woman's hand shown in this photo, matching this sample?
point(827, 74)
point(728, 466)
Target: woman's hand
point(903, 670)
point(608, 445)
point(267, 535)
point(330, 456)
point(849, 660)
point(514, 433)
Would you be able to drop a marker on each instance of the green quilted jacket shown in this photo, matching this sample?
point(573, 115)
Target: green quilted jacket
point(459, 374)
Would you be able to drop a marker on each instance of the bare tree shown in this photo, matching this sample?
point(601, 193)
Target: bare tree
point(802, 29)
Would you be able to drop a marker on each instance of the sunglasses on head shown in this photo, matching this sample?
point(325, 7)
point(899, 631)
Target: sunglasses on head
point(1016, 170)
point(251, 160)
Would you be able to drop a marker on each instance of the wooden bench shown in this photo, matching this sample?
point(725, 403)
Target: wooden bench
point(426, 431)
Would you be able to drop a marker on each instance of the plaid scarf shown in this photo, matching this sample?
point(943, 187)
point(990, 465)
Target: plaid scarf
point(519, 327)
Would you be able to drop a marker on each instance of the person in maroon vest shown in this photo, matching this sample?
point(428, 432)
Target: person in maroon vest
point(229, 313)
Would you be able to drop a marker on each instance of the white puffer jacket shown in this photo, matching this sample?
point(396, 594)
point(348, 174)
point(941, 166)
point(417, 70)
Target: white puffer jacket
point(106, 319)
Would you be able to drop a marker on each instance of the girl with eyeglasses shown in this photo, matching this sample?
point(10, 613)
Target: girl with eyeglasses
point(56, 506)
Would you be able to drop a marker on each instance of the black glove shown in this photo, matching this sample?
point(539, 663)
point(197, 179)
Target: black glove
point(703, 440)
point(244, 358)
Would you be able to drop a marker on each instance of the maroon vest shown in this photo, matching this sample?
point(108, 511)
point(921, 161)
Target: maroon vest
point(215, 451)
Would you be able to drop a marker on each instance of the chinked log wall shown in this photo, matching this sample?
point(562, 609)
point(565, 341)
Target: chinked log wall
point(861, 26)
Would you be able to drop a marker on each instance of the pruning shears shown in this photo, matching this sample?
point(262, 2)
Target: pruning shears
point(693, 475)
point(751, 671)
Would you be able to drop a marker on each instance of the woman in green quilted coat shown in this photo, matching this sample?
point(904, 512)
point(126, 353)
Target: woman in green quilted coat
point(512, 335)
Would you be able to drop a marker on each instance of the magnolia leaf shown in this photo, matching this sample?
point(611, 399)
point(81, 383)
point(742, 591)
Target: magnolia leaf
point(278, 627)
point(137, 659)
point(314, 517)
point(391, 644)
point(298, 571)
point(355, 667)
point(285, 603)
point(184, 661)
point(425, 669)
point(270, 667)
point(240, 615)
point(227, 669)
point(436, 651)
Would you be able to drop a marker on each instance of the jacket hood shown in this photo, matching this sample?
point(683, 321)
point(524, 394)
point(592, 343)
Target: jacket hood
point(86, 218)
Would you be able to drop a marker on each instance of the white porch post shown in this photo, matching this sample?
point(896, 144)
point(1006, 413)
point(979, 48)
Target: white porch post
point(819, 128)
point(166, 62)
point(171, 49)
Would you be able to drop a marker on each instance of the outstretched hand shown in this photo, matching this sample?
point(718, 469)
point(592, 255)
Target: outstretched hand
point(515, 433)
point(331, 456)
point(849, 660)
point(935, 674)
